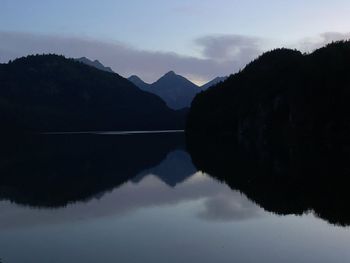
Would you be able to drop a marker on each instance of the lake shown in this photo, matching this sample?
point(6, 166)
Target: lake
point(150, 198)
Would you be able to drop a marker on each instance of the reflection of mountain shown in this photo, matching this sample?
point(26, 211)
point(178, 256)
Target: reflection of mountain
point(219, 203)
point(281, 179)
point(57, 170)
point(175, 169)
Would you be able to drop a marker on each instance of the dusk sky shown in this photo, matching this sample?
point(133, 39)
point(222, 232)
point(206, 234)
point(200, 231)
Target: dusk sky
point(200, 39)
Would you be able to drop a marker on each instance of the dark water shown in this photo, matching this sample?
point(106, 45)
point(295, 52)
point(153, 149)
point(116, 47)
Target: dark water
point(140, 198)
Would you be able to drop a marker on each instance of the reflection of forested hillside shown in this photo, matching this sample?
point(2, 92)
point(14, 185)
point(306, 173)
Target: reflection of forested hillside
point(281, 179)
point(50, 171)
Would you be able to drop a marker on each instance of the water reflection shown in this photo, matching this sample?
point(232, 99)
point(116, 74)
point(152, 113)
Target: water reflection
point(53, 171)
point(97, 198)
point(99, 175)
point(91, 176)
point(173, 170)
point(283, 178)
point(218, 203)
point(230, 206)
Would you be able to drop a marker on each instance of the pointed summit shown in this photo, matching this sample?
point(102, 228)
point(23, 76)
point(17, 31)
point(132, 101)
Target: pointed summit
point(170, 73)
point(173, 77)
point(177, 91)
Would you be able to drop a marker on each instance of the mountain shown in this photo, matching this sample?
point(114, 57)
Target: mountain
point(213, 82)
point(285, 95)
point(96, 64)
point(139, 83)
point(177, 91)
point(46, 93)
point(281, 127)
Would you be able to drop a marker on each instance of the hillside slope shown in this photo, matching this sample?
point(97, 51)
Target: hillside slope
point(51, 93)
point(283, 94)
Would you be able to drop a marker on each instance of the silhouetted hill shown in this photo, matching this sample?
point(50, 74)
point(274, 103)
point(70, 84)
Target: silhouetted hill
point(213, 82)
point(283, 94)
point(51, 93)
point(97, 64)
point(177, 91)
point(278, 131)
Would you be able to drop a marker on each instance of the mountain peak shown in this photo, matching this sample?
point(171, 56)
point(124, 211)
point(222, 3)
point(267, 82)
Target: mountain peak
point(213, 82)
point(138, 82)
point(174, 89)
point(170, 73)
point(96, 64)
point(134, 77)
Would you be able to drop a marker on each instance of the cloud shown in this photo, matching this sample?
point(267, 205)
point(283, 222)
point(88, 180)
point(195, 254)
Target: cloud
point(220, 54)
point(230, 48)
point(232, 53)
point(312, 43)
point(230, 206)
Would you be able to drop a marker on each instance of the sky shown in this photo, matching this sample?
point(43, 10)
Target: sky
point(200, 39)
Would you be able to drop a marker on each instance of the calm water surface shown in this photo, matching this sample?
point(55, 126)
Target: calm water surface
point(140, 198)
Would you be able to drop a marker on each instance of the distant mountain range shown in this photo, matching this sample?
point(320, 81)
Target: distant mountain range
point(213, 82)
point(97, 64)
point(177, 91)
point(139, 82)
point(46, 93)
